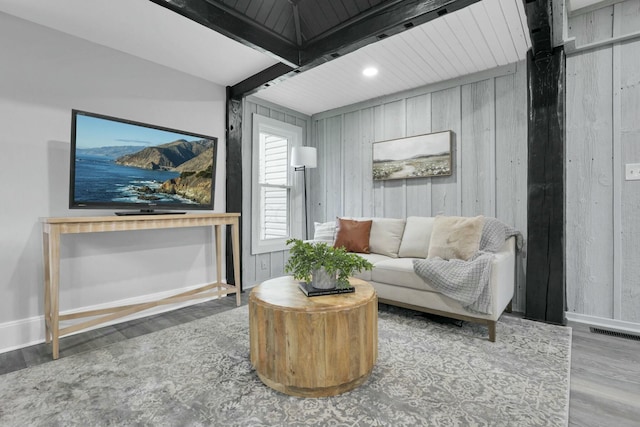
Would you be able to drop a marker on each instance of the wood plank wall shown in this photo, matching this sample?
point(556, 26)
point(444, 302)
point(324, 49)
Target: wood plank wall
point(603, 134)
point(257, 268)
point(488, 116)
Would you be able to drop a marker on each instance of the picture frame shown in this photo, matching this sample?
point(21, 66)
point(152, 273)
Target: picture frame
point(420, 156)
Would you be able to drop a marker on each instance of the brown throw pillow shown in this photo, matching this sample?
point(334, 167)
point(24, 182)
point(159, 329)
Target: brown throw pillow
point(455, 237)
point(353, 235)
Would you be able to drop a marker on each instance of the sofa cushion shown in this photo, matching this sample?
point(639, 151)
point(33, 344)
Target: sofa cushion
point(353, 235)
point(399, 272)
point(386, 235)
point(373, 259)
point(455, 237)
point(416, 237)
point(324, 231)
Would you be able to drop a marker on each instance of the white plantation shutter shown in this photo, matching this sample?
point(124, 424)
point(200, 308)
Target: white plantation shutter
point(274, 189)
point(273, 209)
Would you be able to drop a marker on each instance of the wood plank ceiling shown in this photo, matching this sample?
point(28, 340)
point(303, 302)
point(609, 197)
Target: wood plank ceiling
point(485, 35)
point(323, 46)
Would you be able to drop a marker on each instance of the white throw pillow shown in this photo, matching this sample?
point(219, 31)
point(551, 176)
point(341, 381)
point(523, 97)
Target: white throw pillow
point(324, 231)
point(455, 237)
point(416, 237)
point(386, 235)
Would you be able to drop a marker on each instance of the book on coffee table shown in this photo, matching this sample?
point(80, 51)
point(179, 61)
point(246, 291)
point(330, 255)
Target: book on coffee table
point(310, 291)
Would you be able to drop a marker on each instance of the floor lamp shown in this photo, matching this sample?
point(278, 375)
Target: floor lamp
point(303, 158)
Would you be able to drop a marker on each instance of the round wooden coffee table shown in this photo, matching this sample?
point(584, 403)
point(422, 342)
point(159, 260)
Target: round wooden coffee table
point(312, 346)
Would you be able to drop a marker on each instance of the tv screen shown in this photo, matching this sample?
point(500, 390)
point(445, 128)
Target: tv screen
point(122, 164)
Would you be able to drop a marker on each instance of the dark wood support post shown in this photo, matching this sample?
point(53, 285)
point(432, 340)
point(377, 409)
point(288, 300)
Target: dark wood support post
point(545, 294)
point(233, 123)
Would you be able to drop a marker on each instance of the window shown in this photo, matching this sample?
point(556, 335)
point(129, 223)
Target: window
point(275, 214)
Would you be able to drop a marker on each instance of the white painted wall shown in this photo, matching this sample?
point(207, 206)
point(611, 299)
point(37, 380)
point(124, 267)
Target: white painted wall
point(43, 75)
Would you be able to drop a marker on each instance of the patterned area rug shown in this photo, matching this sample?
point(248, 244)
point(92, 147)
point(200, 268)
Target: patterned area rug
point(199, 374)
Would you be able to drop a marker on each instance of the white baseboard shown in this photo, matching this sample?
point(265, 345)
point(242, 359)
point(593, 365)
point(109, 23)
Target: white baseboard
point(604, 323)
point(25, 332)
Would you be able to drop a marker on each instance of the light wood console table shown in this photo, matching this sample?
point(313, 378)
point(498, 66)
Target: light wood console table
point(53, 228)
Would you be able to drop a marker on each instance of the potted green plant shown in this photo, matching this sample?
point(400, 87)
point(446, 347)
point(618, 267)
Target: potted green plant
point(329, 267)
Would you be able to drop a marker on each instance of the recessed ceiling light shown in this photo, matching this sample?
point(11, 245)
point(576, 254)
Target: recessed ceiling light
point(370, 71)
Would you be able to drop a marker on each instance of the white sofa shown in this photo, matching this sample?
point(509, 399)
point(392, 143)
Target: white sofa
point(395, 243)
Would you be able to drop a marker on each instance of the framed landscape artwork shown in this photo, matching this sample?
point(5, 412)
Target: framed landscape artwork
point(413, 157)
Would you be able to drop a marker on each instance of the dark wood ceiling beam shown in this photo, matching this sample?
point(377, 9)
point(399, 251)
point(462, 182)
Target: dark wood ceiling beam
point(392, 18)
point(540, 23)
point(220, 19)
point(387, 20)
point(261, 79)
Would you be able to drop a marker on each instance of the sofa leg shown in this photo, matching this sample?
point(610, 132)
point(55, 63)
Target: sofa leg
point(492, 331)
point(509, 307)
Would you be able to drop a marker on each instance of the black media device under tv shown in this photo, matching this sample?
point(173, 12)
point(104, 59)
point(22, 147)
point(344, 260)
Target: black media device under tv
point(141, 168)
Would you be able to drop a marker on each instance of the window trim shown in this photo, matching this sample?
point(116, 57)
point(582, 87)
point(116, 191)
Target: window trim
point(294, 135)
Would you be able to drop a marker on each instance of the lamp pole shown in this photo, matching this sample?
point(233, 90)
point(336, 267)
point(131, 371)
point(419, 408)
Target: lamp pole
point(301, 159)
point(304, 182)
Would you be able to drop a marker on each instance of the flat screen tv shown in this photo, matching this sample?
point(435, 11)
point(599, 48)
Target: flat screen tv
point(138, 167)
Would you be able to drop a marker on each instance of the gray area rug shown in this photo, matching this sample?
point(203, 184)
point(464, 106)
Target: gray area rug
point(199, 374)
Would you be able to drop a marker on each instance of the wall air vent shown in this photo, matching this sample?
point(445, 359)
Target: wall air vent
point(615, 334)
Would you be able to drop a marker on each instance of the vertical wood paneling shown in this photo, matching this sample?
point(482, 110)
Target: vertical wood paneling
point(629, 61)
point(353, 165)
point(313, 179)
point(418, 115)
point(589, 177)
point(511, 164)
point(277, 264)
point(445, 115)
point(278, 115)
point(592, 27)
point(394, 120)
point(367, 138)
point(318, 176)
point(603, 100)
point(478, 118)
point(617, 178)
point(394, 190)
point(628, 17)
point(378, 186)
point(418, 190)
point(263, 111)
point(333, 166)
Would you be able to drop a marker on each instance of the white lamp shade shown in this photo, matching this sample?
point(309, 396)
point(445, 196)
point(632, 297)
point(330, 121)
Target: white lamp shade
point(304, 156)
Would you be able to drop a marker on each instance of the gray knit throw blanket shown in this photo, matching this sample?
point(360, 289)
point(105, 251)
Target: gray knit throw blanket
point(468, 281)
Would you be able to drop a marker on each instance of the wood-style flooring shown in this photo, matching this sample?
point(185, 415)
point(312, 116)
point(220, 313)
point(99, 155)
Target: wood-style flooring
point(605, 370)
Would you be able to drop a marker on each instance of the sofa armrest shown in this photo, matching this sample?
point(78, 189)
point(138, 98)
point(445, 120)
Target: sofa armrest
point(502, 279)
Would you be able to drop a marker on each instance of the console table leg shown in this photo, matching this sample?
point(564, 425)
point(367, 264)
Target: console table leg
point(235, 235)
point(54, 291)
point(47, 287)
point(218, 239)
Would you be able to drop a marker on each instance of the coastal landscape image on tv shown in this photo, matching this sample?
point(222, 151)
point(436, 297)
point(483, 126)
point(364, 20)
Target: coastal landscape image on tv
point(117, 163)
